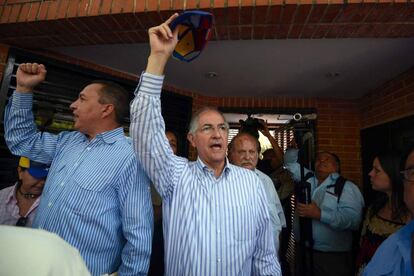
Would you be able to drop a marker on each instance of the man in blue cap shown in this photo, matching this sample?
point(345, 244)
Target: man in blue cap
point(19, 202)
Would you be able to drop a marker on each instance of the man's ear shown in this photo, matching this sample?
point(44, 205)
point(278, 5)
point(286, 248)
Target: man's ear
point(190, 138)
point(20, 173)
point(107, 110)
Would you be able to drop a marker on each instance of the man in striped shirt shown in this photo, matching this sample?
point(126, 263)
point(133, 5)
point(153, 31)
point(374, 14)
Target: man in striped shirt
point(214, 214)
point(96, 196)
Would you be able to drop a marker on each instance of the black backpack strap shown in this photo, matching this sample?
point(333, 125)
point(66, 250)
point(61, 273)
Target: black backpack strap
point(339, 186)
point(307, 176)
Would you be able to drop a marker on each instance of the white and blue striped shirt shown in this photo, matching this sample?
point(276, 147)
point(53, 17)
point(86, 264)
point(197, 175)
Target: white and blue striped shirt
point(96, 196)
point(212, 226)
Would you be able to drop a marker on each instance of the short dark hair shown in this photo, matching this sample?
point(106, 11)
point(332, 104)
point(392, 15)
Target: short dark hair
point(113, 93)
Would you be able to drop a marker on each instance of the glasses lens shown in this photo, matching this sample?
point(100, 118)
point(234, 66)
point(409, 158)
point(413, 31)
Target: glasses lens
point(21, 221)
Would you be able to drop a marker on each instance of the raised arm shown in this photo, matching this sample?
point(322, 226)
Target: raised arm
point(275, 146)
point(21, 134)
point(147, 124)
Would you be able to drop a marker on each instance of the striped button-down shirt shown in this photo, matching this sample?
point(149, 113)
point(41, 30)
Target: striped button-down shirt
point(212, 226)
point(96, 196)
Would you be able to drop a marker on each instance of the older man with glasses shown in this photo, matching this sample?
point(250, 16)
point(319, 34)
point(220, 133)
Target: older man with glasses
point(18, 203)
point(395, 255)
point(215, 216)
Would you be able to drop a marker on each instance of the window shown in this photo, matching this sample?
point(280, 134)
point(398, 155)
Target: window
point(279, 126)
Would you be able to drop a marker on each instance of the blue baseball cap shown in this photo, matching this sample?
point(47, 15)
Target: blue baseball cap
point(35, 169)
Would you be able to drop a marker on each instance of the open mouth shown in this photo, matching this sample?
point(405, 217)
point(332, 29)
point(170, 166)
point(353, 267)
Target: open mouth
point(216, 146)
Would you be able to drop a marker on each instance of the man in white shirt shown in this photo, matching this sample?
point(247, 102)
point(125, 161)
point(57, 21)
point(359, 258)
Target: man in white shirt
point(244, 152)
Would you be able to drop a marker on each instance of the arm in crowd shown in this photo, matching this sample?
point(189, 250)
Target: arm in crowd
point(274, 206)
point(147, 124)
point(291, 163)
point(136, 218)
point(275, 146)
point(21, 134)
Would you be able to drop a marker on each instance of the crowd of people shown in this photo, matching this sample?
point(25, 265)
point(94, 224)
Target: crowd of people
point(101, 203)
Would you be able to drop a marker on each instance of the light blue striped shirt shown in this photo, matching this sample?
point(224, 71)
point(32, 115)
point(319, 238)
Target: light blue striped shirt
point(212, 226)
point(96, 196)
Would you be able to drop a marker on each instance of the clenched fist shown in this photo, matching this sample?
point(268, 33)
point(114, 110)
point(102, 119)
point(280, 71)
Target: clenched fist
point(29, 75)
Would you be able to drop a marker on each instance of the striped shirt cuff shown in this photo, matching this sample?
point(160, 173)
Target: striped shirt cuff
point(150, 84)
point(22, 100)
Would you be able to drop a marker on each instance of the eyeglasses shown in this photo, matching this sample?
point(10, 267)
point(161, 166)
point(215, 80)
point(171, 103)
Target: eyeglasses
point(22, 221)
point(408, 174)
point(209, 129)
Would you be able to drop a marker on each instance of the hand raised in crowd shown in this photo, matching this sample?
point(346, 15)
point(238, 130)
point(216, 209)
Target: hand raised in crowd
point(29, 75)
point(264, 129)
point(309, 210)
point(292, 143)
point(162, 42)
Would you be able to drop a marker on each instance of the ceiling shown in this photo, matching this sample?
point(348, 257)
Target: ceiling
point(341, 68)
point(341, 49)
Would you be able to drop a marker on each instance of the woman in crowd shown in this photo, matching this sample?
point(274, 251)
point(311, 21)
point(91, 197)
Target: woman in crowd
point(395, 255)
point(388, 213)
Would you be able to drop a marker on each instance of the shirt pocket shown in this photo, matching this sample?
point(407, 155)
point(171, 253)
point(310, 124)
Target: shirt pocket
point(92, 194)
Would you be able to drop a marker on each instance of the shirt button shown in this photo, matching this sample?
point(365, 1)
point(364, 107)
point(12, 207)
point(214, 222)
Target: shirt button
point(88, 148)
point(50, 204)
point(62, 183)
point(218, 260)
point(218, 231)
point(75, 165)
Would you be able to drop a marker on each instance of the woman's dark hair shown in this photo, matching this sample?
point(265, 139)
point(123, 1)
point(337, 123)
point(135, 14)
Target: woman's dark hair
point(391, 163)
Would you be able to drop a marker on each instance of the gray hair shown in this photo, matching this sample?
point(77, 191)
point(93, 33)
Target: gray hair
point(194, 119)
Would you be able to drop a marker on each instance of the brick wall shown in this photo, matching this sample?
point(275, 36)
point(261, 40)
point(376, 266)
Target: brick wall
point(339, 121)
point(392, 101)
point(337, 125)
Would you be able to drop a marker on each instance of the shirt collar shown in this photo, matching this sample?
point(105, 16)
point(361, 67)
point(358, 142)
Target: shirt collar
point(11, 197)
point(329, 180)
point(203, 167)
point(111, 136)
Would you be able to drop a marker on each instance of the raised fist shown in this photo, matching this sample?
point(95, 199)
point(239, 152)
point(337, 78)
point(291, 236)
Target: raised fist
point(29, 75)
